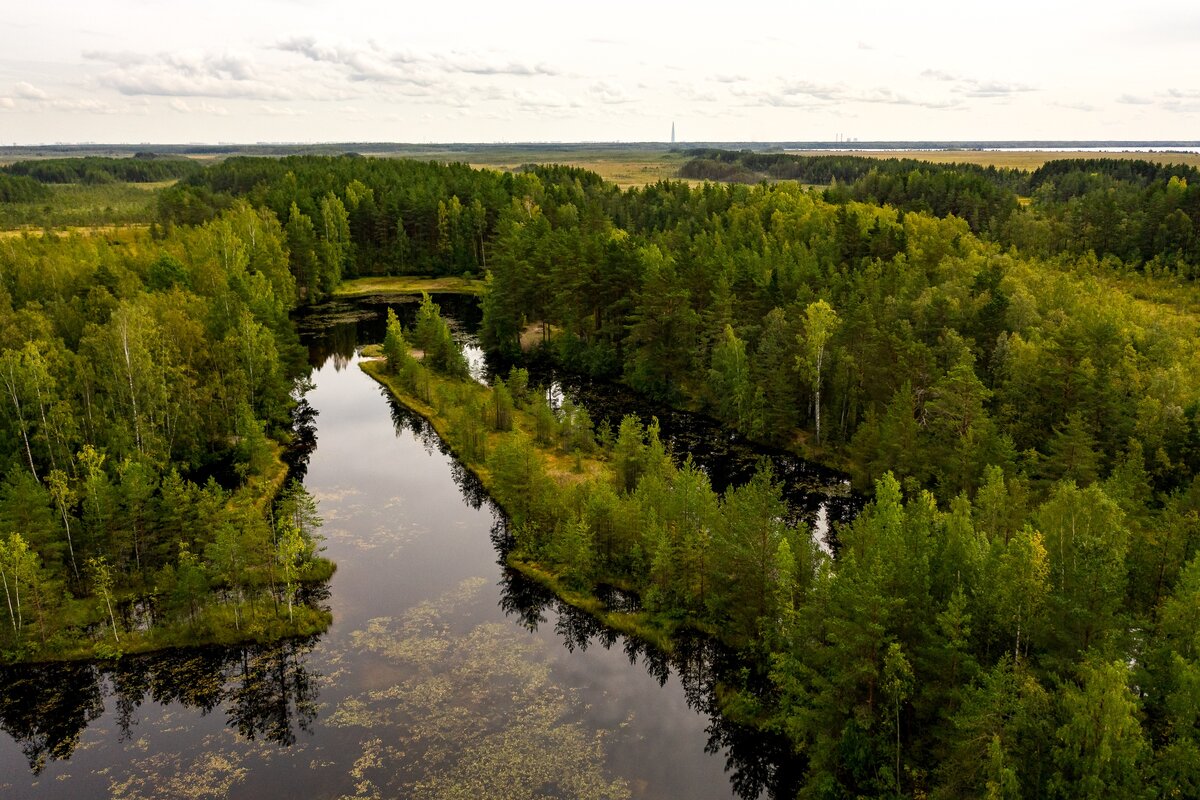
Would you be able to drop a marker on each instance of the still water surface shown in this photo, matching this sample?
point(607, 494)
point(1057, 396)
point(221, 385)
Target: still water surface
point(443, 675)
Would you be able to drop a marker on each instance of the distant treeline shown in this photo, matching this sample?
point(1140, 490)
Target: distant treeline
point(980, 195)
point(142, 168)
point(1136, 211)
point(346, 216)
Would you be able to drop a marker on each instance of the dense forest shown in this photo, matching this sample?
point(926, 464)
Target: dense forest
point(145, 385)
point(141, 168)
point(1137, 211)
point(1007, 360)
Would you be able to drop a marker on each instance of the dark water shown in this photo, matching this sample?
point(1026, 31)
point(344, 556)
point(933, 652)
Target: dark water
point(817, 496)
point(443, 675)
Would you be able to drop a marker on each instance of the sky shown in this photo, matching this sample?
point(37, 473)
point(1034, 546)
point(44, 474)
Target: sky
point(178, 71)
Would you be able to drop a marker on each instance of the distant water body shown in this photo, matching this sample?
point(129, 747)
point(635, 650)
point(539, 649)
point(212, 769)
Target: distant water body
point(1058, 147)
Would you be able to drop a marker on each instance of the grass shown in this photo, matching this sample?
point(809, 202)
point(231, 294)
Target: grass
point(258, 623)
point(624, 169)
point(408, 284)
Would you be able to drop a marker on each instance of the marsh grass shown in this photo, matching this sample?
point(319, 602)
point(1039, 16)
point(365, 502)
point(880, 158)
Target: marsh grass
point(407, 284)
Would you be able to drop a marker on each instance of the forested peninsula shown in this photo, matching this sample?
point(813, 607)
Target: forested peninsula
point(1007, 361)
point(147, 391)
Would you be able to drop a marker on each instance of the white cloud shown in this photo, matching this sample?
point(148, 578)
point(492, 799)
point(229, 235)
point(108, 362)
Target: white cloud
point(27, 91)
point(813, 95)
point(202, 107)
point(85, 105)
point(476, 70)
point(608, 93)
point(282, 111)
point(974, 87)
point(1073, 106)
point(374, 63)
point(178, 75)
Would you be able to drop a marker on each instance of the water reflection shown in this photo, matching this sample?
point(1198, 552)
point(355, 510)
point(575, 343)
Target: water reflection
point(46, 709)
point(268, 692)
point(816, 495)
point(335, 329)
point(757, 763)
point(387, 661)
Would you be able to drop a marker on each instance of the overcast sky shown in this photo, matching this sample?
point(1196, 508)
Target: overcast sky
point(472, 71)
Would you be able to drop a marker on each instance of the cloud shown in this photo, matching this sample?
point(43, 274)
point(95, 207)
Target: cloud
point(176, 75)
point(828, 93)
point(7, 102)
point(282, 111)
point(373, 63)
point(693, 94)
point(608, 93)
point(974, 87)
point(1074, 106)
point(120, 58)
point(807, 94)
point(84, 106)
point(362, 64)
point(477, 66)
point(1135, 100)
point(730, 78)
point(1181, 101)
point(545, 100)
point(27, 91)
point(201, 107)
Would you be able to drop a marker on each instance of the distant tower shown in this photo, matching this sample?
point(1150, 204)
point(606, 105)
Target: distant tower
point(672, 133)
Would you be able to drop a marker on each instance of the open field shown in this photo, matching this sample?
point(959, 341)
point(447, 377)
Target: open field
point(126, 232)
point(624, 163)
point(1014, 159)
point(624, 168)
point(407, 284)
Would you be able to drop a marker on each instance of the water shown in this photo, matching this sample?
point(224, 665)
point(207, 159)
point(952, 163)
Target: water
point(816, 496)
point(1002, 147)
point(443, 674)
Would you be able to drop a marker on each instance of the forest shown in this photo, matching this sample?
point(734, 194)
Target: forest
point(140, 168)
point(146, 390)
point(1005, 360)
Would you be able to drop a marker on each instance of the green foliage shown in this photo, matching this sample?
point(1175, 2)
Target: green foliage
point(1021, 397)
point(1100, 746)
point(501, 407)
point(128, 368)
point(142, 168)
point(395, 345)
point(432, 336)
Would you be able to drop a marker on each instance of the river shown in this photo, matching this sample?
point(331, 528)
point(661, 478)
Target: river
point(443, 674)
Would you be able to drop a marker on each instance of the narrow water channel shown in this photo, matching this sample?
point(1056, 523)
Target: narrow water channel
point(443, 675)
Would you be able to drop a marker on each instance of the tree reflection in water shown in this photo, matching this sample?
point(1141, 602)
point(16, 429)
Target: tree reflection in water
point(268, 693)
point(757, 762)
point(46, 708)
